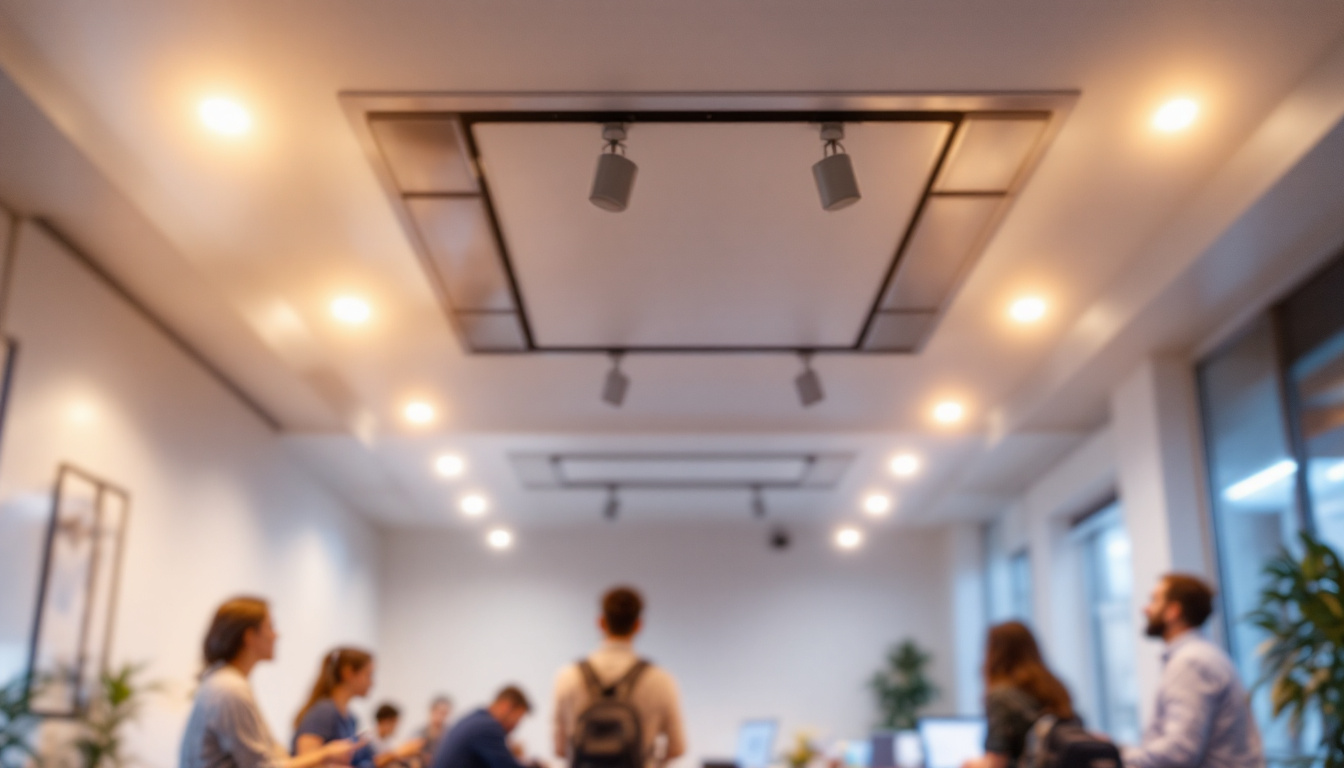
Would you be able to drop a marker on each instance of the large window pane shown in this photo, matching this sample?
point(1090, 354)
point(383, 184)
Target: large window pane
point(1109, 581)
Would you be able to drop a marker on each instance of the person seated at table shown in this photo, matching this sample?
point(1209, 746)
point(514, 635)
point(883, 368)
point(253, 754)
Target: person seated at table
point(480, 740)
point(346, 673)
point(385, 753)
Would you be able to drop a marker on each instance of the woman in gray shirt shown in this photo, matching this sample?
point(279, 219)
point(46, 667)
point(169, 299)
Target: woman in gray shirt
point(226, 729)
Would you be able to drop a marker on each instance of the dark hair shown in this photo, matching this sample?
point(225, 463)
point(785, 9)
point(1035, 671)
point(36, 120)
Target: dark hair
point(621, 607)
point(329, 675)
point(514, 696)
point(386, 711)
point(224, 639)
point(1193, 595)
point(1013, 660)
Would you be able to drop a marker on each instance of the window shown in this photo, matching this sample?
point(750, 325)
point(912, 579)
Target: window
point(1108, 578)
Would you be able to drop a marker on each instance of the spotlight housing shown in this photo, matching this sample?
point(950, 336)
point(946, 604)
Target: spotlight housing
point(836, 183)
point(780, 538)
point(757, 502)
point(615, 177)
point(808, 383)
point(613, 506)
point(616, 384)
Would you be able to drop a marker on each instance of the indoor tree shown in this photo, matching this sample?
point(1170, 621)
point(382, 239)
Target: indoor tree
point(902, 686)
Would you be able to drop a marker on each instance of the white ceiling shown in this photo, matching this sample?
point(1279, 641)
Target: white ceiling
point(241, 244)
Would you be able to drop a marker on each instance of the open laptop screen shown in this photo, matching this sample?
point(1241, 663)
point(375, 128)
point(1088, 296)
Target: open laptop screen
point(756, 744)
point(951, 741)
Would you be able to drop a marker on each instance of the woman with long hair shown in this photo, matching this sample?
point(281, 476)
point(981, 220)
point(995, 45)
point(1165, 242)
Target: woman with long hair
point(1019, 689)
point(226, 729)
point(344, 674)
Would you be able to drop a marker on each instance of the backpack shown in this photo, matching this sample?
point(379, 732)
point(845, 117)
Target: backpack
point(1055, 743)
point(608, 734)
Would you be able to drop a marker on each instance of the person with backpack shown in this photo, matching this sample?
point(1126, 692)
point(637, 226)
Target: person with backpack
point(1029, 713)
point(480, 740)
point(1203, 715)
point(614, 709)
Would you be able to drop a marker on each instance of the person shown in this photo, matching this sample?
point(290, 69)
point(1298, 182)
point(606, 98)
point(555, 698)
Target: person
point(653, 695)
point(480, 740)
point(1019, 689)
point(1203, 715)
point(225, 728)
point(344, 674)
point(385, 720)
point(440, 709)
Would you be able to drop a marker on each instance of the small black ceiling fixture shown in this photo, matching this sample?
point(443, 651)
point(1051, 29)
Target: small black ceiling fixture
point(836, 183)
point(615, 177)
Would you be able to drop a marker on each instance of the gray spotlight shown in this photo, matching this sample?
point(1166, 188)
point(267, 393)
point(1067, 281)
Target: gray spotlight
point(757, 502)
point(617, 383)
point(613, 507)
point(808, 383)
point(834, 173)
point(615, 176)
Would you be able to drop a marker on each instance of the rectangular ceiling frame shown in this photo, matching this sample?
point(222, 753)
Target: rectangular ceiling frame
point(811, 461)
point(466, 110)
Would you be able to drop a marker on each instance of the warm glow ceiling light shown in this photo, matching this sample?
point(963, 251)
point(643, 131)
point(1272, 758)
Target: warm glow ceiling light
point(449, 465)
point(351, 309)
point(473, 505)
point(1028, 309)
point(418, 412)
point(615, 177)
point(877, 504)
point(949, 412)
point(1176, 115)
point(224, 116)
point(904, 465)
point(848, 537)
point(499, 538)
point(834, 172)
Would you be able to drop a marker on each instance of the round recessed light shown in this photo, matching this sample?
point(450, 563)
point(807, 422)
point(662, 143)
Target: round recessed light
point(499, 538)
point(351, 310)
point(1027, 309)
point(473, 505)
point(1175, 115)
point(877, 504)
point(949, 412)
point(224, 116)
point(419, 412)
point(449, 465)
point(848, 537)
point(904, 465)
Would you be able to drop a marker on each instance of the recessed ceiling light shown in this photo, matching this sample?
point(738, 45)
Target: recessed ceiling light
point(1175, 115)
point(351, 309)
point(877, 504)
point(473, 505)
point(949, 412)
point(904, 465)
point(848, 537)
point(499, 538)
point(1027, 309)
point(419, 412)
point(224, 116)
point(449, 465)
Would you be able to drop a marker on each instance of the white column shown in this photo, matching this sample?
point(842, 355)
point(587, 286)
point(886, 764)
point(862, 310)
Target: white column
point(1155, 418)
point(966, 560)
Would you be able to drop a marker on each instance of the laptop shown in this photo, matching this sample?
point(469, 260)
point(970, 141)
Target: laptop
point(950, 741)
point(756, 744)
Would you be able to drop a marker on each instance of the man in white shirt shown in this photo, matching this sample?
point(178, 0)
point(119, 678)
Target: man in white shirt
point(653, 695)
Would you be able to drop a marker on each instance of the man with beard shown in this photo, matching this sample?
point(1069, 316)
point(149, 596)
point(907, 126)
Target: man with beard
point(1203, 715)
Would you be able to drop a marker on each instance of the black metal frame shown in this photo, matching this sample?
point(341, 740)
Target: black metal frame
point(468, 119)
point(103, 489)
point(810, 458)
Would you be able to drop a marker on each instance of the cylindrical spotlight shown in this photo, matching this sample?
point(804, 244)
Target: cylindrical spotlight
point(836, 182)
point(613, 505)
point(615, 177)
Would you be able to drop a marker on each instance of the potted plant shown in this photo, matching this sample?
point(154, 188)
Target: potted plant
point(120, 696)
point(902, 687)
point(16, 725)
point(1302, 612)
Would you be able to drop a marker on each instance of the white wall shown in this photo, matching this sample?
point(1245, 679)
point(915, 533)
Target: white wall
point(218, 506)
point(747, 631)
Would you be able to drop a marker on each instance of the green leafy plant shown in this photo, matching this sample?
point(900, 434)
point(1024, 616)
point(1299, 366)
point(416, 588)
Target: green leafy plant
point(16, 724)
point(902, 687)
point(1303, 658)
point(121, 694)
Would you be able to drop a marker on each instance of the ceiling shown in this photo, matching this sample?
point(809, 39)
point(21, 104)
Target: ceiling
point(240, 245)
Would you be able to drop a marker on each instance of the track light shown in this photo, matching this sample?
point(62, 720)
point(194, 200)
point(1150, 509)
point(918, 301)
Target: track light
point(836, 182)
point(757, 502)
point(613, 507)
point(617, 383)
point(808, 382)
point(615, 176)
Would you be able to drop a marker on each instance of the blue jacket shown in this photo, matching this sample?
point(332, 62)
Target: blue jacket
point(476, 741)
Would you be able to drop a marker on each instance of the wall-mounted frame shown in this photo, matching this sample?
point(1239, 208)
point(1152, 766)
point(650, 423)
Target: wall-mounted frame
point(77, 592)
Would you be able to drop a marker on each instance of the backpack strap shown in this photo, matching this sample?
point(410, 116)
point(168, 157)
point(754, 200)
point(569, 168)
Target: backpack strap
point(622, 688)
point(590, 681)
point(618, 690)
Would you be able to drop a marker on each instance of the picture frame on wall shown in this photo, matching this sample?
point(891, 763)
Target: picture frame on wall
point(77, 593)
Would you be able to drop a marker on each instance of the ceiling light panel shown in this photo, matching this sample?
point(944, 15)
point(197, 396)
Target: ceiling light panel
point(456, 233)
point(940, 252)
point(988, 155)
point(763, 471)
point(425, 154)
point(898, 331)
point(492, 331)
